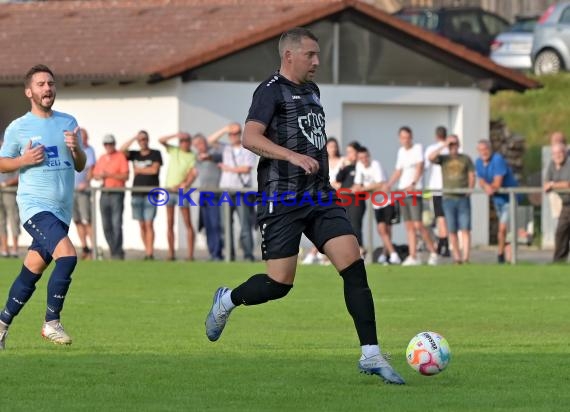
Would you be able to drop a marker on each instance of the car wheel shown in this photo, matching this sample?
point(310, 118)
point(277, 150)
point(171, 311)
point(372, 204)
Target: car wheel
point(547, 62)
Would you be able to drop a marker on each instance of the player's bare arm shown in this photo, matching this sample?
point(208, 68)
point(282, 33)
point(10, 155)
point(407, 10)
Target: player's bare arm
point(125, 146)
point(254, 140)
point(32, 156)
point(72, 143)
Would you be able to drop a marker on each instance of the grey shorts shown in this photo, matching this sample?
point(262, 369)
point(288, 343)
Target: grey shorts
point(412, 209)
point(82, 207)
point(9, 215)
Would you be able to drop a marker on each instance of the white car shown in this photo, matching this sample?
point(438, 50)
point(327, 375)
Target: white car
point(512, 48)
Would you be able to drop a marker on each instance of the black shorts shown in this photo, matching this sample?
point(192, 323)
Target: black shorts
point(282, 226)
point(438, 206)
point(385, 214)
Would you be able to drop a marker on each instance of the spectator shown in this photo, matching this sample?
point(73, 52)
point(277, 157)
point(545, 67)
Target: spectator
point(370, 177)
point(9, 214)
point(82, 199)
point(146, 167)
point(557, 137)
point(180, 174)
point(345, 180)
point(237, 163)
point(336, 162)
point(434, 181)
point(113, 169)
point(409, 170)
point(558, 177)
point(458, 173)
point(493, 174)
point(207, 159)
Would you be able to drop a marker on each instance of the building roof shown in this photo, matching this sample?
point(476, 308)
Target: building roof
point(151, 40)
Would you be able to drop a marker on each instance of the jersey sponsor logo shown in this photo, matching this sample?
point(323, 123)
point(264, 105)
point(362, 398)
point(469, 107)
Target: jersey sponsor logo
point(35, 138)
point(52, 159)
point(313, 127)
point(51, 152)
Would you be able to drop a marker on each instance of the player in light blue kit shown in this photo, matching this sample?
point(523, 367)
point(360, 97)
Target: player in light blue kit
point(44, 145)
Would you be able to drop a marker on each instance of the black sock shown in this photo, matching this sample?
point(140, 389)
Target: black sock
point(58, 286)
point(359, 303)
point(20, 292)
point(258, 289)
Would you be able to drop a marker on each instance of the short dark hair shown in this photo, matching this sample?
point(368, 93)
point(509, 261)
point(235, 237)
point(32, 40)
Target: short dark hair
point(405, 129)
point(441, 132)
point(295, 35)
point(355, 145)
point(362, 149)
point(143, 132)
point(38, 68)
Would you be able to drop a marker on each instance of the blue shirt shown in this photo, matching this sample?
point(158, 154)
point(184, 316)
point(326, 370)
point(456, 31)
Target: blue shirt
point(497, 166)
point(46, 187)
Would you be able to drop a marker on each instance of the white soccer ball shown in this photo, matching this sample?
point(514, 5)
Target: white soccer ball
point(428, 353)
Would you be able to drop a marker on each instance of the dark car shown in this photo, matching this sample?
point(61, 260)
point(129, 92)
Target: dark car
point(473, 27)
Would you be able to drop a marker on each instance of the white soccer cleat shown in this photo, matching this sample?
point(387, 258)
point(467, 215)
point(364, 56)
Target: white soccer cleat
point(218, 316)
point(410, 261)
point(382, 259)
point(377, 365)
point(395, 259)
point(54, 332)
point(433, 259)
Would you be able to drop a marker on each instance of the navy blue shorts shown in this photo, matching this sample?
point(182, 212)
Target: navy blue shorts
point(47, 231)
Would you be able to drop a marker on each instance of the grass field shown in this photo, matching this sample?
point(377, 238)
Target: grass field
point(139, 341)
point(535, 114)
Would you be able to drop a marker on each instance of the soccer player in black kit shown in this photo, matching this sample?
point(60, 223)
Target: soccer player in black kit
point(286, 127)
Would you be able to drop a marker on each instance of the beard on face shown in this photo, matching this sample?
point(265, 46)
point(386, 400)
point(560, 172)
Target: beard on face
point(39, 100)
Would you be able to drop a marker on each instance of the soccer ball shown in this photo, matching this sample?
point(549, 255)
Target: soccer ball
point(428, 353)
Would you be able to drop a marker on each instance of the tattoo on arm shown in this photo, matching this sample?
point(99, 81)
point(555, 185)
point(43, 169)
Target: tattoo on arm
point(260, 152)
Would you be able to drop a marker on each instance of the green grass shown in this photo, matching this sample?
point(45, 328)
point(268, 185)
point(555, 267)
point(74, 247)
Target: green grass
point(139, 341)
point(535, 114)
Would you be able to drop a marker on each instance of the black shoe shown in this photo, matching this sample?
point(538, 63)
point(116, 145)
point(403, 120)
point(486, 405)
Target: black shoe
point(501, 259)
point(444, 252)
point(149, 257)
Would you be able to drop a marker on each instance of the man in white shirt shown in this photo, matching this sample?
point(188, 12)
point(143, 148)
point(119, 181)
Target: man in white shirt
point(434, 181)
point(370, 177)
point(409, 170)
point(236, 166)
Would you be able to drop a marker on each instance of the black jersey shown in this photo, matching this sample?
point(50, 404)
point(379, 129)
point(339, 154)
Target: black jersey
point(294, 118)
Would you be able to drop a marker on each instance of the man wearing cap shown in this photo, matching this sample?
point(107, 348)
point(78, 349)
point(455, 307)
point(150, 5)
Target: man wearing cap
point(113, 169)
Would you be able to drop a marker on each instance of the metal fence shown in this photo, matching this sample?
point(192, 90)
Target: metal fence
point(368, 229)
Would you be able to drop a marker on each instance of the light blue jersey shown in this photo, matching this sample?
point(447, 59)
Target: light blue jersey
point(47, 187)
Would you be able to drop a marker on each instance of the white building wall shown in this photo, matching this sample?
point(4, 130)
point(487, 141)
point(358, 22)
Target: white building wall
point(123, 111)
point(205, 106)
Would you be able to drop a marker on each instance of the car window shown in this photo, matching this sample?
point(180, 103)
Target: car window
point(565, 17)
point(426, 19)
point(493, 24)
point(523, 26)
point(465, 23)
